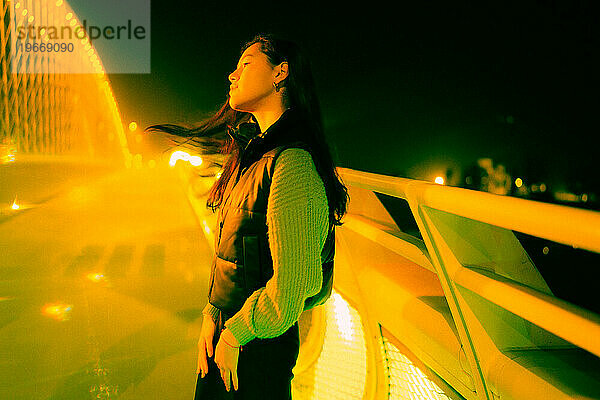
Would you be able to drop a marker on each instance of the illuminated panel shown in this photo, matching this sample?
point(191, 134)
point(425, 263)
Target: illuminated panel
point(405, 379)
point(340, 371)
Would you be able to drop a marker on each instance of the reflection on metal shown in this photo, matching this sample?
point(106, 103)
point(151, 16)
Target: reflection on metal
point(54, 113)
point(462, 294)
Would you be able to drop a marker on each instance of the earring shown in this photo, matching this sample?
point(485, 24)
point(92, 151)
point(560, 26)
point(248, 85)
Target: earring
point(277, 86)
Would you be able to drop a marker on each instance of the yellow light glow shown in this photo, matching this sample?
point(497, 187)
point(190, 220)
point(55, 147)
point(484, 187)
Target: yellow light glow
point(584, 197)
point(68, 16)
point(206, 227)
point(566, 196)
point(177, 155)
point(57, 311)
point(182, 155)
point(132, 126)
point(30, 19)
point(59, 3)
point(137, 161)
point(543, 187)
point(343, 317)
point(24, 13)
point(218, 175)
point(96, 277)
point(518, 182)
point(17, 5)
point(439, 180)
point(196, 161)
point(545, 250)
point(15, 206)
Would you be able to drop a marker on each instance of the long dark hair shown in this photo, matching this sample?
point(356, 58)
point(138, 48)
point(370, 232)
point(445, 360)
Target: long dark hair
point(299, 93)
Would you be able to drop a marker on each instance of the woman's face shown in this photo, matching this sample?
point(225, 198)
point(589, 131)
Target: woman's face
point(251, 86)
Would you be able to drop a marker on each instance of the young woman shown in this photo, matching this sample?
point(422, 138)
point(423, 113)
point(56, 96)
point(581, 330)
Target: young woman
point(279, 199)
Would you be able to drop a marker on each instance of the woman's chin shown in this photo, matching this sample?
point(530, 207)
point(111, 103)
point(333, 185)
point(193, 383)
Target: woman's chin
point(238, 107)
point(235, 105)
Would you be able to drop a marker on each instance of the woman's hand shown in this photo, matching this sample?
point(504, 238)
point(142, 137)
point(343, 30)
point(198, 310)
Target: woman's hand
point(205, 344)
point(226, 358)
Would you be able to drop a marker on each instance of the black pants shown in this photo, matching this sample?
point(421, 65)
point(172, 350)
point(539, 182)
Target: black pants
point(264, 369)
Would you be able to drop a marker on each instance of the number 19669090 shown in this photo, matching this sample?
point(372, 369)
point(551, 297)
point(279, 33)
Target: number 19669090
point(45, 47)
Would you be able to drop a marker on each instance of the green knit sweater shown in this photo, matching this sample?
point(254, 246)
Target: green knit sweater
point(297, 221)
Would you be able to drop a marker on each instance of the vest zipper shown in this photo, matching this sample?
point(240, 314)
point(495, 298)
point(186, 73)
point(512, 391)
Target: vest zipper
point(220, 231)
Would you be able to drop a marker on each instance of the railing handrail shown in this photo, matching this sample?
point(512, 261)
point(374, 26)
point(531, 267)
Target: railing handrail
point(558, 223)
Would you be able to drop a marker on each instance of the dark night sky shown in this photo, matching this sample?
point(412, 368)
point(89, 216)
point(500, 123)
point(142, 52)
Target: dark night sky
point(407, 92)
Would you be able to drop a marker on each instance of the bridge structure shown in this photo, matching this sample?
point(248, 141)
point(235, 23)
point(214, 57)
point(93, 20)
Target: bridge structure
point(105, 258)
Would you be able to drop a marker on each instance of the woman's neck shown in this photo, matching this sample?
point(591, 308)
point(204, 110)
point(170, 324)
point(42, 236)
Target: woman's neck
point(267, 118)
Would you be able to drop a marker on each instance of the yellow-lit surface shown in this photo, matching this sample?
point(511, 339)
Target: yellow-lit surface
point(340, 371)
point(101, 298)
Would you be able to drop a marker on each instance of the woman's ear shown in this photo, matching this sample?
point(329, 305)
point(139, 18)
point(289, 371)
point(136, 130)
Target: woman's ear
point(282, 72)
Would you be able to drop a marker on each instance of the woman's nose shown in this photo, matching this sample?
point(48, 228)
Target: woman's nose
point(232, 77)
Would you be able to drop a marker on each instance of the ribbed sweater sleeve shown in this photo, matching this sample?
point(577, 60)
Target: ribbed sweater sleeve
point(297, 222)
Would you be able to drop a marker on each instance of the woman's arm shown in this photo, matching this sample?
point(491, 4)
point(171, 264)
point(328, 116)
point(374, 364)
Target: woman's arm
point(211, 311)
point(297, 220)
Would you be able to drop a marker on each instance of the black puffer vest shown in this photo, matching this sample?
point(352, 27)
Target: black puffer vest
point(243, 261)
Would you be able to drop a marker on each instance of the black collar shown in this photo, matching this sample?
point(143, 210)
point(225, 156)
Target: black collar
point(290, 127)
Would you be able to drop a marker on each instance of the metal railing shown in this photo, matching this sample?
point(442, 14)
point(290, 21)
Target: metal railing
point(498, 302)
